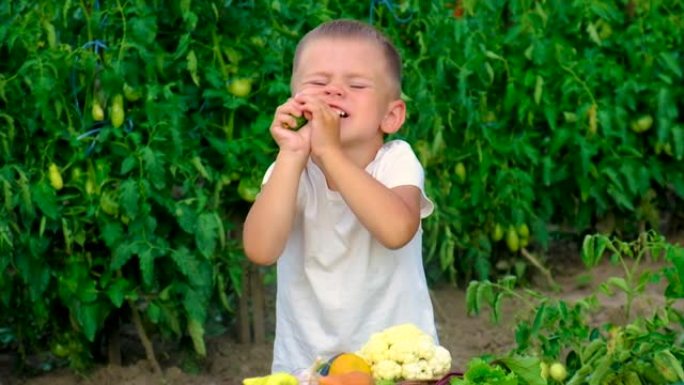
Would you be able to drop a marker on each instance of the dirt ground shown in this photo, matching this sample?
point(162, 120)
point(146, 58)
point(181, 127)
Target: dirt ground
point(228, 362)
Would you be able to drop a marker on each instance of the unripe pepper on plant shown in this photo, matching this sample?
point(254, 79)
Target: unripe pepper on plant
point(460, 171)
point(131, 93)
point(642, 124)
point(592, 119)
point(498, 233)
point(59, 350)
point(108, 204)
point(512, 240)
point(97, 112)
point(55, 177)
point(118, 114)
point(668, 366)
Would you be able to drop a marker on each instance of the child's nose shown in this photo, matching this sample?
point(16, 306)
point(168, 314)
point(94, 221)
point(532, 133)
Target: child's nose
point(334, 90)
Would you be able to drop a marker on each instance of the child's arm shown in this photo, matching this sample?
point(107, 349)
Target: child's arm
point(392, 215)
point(270, 219)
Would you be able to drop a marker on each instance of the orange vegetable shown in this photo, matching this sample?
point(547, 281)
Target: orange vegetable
point(348, 362)
point(350, 378)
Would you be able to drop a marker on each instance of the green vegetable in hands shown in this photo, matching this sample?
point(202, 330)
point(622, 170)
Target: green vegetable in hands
point(301, 121)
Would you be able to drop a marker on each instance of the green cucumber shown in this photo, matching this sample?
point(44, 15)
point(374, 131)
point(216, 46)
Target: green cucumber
point(301, 120)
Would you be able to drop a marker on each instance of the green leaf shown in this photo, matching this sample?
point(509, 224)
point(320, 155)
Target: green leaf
point(619, 283)
point(128, 164)
point(678, 139)
point(675, 273)
point(143, 30)
point(205, 235)
point(194, 303)
point(196, 331)
point(111, 233)
point(526, 368)
point(496, 307)
point(522, 335)
point(35, 273)
point(87, 290)
point(129, 196)
point(472, 304)
point(118, 290)
point(122, 254)
point(154, 166)
point(593, 248)
point(538, 89)
point(146, 258)
point(539, 319)
point(485, 294)
point(154, 312)
point(187, 218)
point(91, 317)
point(480, 372)
point(669, 61)
point(192, 67)
point(618, 194)
point(171, 318)
point(481, 264)
point(187, 264)
point(46, 199)
point(508, 281)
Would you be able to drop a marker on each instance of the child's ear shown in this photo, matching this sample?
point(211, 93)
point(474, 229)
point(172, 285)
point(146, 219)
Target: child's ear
point(395, 117)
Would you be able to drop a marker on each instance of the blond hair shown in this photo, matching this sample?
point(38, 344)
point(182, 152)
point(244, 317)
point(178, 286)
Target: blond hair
point(354, 29)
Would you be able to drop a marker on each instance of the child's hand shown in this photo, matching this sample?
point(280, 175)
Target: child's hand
point(283, 129)
point(324, 123)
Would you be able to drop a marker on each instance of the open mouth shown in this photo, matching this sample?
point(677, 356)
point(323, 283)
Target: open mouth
point(342, 114)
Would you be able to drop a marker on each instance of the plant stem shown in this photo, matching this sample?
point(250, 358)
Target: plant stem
point(538, 265)
point(145, 340)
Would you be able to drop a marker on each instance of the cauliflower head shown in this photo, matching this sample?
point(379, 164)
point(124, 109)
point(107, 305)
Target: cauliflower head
point(417, 370)
point(376, 349)
point(440, 363)
point(405, 352)
point(403, 332)
point(425, 347)
point(387, 370)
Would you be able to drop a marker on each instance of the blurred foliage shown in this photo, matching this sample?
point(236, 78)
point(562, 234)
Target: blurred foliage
point(133, 136)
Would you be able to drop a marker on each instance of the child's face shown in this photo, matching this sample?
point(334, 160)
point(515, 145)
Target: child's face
point(352, 77)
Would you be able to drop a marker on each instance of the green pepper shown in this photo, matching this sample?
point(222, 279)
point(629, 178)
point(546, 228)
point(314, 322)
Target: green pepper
point(301, 121)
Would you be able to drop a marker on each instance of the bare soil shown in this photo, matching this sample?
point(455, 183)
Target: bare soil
point(228, 362)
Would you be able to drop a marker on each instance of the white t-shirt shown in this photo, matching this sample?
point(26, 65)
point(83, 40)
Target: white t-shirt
point(336, 284)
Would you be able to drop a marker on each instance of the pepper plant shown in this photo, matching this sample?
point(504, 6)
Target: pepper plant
point(134, 135)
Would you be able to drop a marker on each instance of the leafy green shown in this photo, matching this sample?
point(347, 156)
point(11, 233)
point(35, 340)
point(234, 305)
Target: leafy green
point(526, 368)
point(479, 372)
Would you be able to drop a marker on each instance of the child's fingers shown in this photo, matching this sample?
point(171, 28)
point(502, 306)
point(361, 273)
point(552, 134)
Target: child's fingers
point(313, 106)
point(287, 115)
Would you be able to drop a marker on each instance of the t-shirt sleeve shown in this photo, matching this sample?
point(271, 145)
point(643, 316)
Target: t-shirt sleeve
point(267, 174)
point(400, 166)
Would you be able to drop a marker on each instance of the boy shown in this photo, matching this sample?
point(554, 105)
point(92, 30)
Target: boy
point(340, 209)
